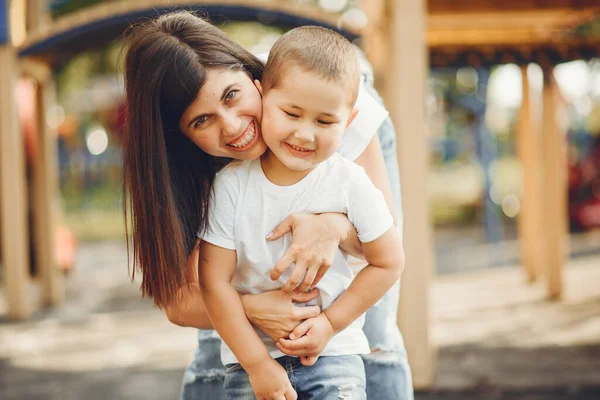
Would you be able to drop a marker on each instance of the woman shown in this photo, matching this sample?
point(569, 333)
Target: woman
point(192, 105)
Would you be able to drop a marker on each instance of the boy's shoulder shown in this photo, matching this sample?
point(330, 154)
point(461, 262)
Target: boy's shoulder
point(337, 163)
point(235, 170)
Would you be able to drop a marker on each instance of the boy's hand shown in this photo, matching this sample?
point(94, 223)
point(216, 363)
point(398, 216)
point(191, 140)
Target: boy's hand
point(270, 382)
point(308, 339)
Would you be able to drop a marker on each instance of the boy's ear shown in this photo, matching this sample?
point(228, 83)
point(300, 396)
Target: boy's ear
point(258, 86)
point(352, 116)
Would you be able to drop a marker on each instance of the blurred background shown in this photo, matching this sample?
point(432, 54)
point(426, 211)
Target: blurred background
point(508, 203)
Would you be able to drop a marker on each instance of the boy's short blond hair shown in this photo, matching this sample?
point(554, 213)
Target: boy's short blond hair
point(314, 49)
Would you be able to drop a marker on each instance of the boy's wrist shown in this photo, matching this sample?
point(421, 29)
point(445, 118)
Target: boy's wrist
point(329, 319)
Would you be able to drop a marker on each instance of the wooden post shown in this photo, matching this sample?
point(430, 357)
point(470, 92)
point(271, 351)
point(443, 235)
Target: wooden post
point(13, 215)
point(555, 187)
point(407, 80)
point(45, 186)
point(530, 221)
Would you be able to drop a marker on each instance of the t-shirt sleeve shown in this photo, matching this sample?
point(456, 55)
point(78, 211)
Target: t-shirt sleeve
point(358, 135)
point(221, 214)
point(367, 208)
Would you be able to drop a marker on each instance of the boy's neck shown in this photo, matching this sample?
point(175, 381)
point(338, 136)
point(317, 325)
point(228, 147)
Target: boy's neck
point(277, 173)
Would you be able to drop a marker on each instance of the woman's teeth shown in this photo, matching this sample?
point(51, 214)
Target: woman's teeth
point(244, 140)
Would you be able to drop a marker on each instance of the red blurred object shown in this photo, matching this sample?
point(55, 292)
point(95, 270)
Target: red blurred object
point(584, 191)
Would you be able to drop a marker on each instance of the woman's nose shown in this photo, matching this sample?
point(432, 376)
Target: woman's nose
point(231, 125)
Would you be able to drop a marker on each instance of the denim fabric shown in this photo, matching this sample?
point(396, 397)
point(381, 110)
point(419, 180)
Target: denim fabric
point(331, 378)
point(387, 370)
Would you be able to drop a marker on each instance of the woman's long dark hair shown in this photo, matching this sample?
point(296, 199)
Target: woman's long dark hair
point(166, 178)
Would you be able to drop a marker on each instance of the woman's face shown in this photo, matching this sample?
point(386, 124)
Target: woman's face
point(224, 119)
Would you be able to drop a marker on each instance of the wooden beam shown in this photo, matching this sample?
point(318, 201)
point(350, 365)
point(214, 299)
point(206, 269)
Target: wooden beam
point(555, 187)
point(405, 99)
point(45, 186)
point(13, 214)
point(530, 221)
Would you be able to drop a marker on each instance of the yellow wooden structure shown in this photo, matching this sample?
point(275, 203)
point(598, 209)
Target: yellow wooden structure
point(402, 39)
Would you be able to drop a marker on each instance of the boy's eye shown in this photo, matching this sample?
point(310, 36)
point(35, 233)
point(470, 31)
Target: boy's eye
point(324, 122)
point(230, 95)
point(291, 115)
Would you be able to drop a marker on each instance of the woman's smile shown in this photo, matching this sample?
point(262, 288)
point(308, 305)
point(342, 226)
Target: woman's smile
point(246, 139)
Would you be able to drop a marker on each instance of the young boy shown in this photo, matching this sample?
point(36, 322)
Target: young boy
point(309, 88)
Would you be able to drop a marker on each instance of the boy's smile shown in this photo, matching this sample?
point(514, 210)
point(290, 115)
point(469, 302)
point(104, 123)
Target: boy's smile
point(304, 117)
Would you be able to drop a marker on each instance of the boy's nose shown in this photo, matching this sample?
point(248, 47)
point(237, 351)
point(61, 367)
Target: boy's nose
point(304, 135)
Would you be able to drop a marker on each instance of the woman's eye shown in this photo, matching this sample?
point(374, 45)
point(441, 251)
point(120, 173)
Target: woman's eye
point(291, 115)
point(200, 121)
point(230, 95)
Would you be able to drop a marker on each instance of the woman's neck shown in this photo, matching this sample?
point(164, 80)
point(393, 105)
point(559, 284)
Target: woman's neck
point(277, 173)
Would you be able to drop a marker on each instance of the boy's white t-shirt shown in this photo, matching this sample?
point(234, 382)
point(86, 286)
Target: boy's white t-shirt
point(246, 206)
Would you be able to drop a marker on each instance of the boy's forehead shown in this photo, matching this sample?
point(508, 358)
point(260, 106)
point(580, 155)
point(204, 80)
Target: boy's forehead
point(300, 83)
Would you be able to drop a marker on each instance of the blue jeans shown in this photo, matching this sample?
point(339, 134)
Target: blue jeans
point(331, 378)
point(387, 370)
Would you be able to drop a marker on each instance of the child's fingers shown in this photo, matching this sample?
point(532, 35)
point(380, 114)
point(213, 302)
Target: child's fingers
point(301, 329)
point(289, 352)
point(297, 344)
point(291, 394)
point(308, 361)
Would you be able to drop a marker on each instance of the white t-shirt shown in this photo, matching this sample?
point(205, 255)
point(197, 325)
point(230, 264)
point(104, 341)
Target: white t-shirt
point(246, 206)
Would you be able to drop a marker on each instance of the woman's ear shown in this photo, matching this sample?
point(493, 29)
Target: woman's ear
point(258, 86)
point(352, 116)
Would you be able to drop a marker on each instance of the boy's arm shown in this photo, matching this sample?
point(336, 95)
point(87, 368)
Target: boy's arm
point(385, 256)
point(215, 269)
point(382, 246)
point(386, 262)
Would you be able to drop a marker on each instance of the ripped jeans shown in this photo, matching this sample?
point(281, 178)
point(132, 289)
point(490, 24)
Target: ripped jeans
point(387, 370)
point(330, 378)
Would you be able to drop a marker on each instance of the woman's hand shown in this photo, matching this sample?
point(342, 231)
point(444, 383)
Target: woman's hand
point(315, 239)
point(275, 314)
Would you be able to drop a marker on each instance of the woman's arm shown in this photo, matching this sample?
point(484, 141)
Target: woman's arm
point(187, 309)
point(275, 313)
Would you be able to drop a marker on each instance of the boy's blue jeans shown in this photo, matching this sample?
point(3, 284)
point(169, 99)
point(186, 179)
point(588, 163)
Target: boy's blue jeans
point(331, 378)
point(387, 370)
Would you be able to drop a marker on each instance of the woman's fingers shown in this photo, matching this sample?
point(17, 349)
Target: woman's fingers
point(320, 273)
point(309, 277)
point(296, 278)
point(284, 227)
point(283, 264)
point(305, 297)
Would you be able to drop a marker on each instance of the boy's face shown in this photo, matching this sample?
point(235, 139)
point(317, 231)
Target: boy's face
point(304, 117)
